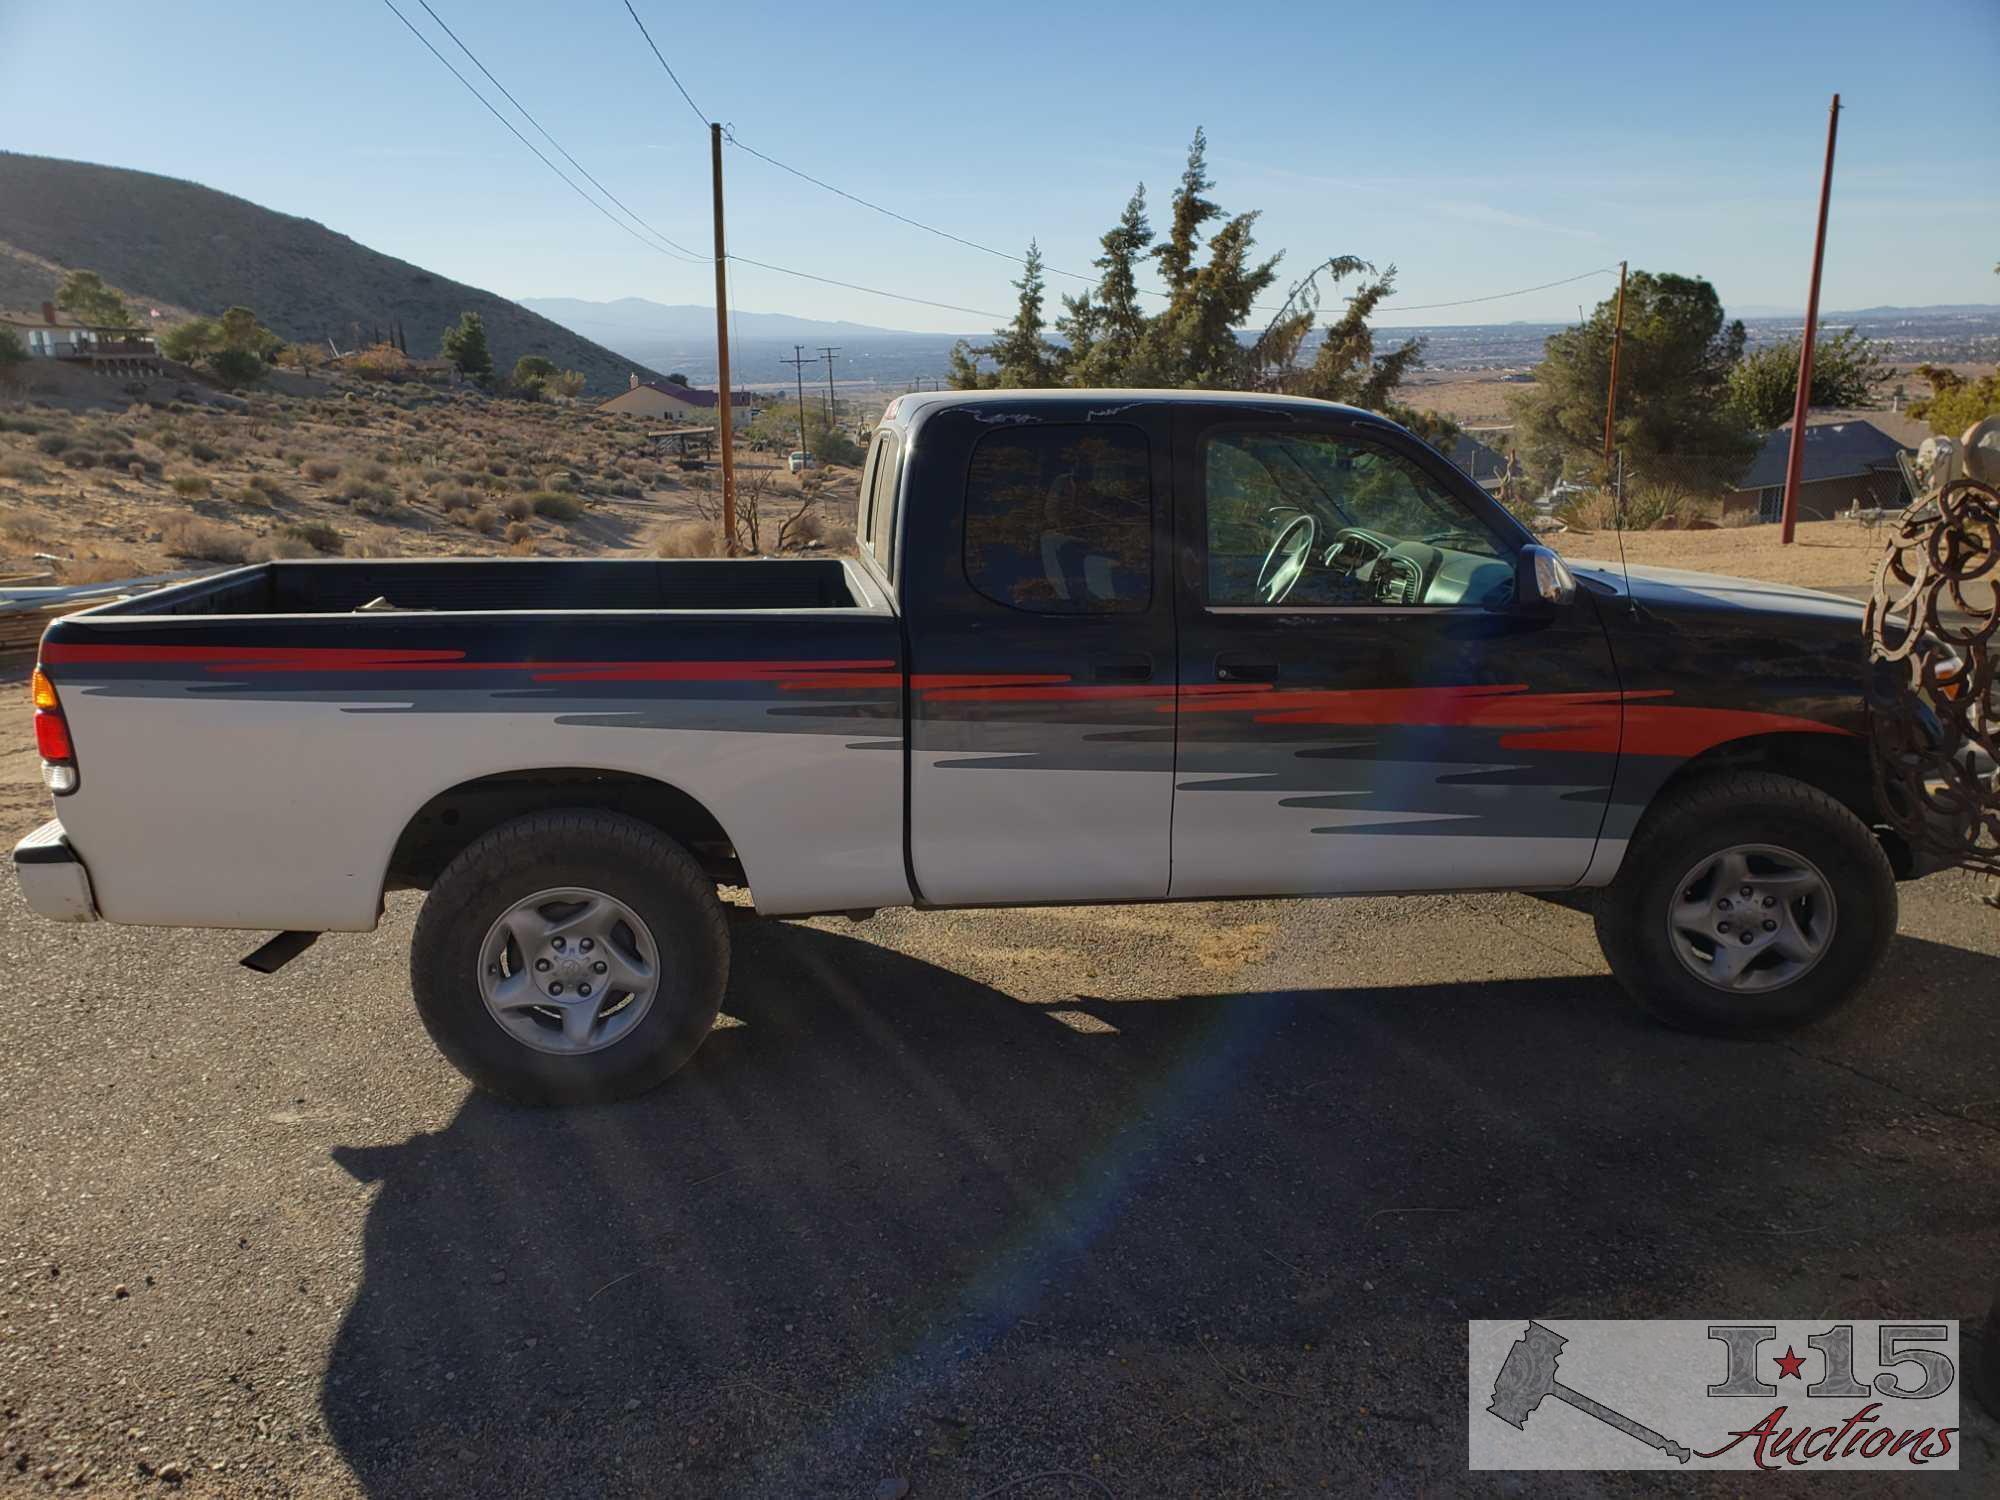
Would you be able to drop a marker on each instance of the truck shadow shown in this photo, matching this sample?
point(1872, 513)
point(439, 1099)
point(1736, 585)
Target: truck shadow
point(886, 1201)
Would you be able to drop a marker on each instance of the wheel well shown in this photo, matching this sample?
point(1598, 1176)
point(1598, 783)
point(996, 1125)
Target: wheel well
point(451, 820)
point(1836, 764)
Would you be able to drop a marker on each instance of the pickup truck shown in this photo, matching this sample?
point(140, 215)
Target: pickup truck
point(1097, 646)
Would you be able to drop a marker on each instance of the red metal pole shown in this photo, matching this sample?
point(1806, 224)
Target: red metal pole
point(1803, 402)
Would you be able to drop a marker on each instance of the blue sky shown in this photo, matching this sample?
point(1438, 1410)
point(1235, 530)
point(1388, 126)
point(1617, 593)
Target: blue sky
point(1479, 151)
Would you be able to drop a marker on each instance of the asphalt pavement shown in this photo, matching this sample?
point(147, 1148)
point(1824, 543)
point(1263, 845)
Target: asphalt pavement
point(1175, 1200)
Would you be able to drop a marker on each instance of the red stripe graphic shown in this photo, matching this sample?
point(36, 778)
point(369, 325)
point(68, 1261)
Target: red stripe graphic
point(1589, 722)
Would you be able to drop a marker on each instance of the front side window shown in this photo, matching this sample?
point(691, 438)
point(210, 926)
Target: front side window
point(1059, 518)
point(1315, 519)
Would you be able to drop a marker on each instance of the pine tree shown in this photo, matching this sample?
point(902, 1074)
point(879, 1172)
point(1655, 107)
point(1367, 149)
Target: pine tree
point(1176, 253)
point(1113, 323)
point(85, 297)
point(1193, 343)
point(1025, 358)
point(1673, 382)
point(465, 346)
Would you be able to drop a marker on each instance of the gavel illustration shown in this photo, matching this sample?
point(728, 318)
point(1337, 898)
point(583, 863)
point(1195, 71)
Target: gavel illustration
point(1529, 1374)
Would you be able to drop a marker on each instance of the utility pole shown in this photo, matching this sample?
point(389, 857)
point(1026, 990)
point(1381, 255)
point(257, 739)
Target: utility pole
point(723, 392)
point(1803, 402)
point(798, 362)
point(827, 354)
point(1617, 342)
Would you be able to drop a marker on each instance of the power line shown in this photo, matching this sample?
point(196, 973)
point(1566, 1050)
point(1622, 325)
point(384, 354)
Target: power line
point(945, 234)
point(1502, 296)
point(730, 135)
point(446, 29)
point(523, 139)
point(665, 64)
point(873, 291)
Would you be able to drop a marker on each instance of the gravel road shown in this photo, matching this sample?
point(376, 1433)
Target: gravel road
point(1188, 1200)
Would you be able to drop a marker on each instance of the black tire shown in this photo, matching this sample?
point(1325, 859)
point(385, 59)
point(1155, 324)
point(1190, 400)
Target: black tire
point(622, 857)
point(1705, 818)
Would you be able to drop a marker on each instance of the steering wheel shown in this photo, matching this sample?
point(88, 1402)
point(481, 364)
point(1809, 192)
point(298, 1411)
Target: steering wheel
point(1285, 563)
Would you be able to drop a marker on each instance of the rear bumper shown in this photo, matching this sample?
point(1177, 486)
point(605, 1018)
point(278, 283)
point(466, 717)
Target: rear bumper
point(53, 879)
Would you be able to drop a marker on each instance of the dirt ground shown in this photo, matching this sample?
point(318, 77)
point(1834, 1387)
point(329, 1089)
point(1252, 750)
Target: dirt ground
point(168, 474)
point(1823, 555)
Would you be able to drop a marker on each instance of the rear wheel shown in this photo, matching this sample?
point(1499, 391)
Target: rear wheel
point(570, 957)
point(1748, 903)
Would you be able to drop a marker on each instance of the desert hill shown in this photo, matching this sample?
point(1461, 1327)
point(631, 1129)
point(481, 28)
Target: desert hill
point(178, 245)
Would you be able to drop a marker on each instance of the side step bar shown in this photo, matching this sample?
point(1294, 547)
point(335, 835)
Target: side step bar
point(280, 951)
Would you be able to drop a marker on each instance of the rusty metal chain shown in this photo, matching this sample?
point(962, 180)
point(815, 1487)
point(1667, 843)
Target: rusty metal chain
point(1931, 710)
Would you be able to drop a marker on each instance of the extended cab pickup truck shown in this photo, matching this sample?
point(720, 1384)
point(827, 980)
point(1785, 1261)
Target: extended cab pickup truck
point(1097, 647)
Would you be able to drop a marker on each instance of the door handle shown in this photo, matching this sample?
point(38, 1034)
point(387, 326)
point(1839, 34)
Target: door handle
point(1233, 668)
point(1123, 669)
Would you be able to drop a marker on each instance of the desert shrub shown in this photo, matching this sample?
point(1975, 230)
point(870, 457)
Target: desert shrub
point(320, 470)
point(22, 470)
point(516, 508)
point(315, 534)
point(191, 486)
point(520, 531)
point(203, 453)
point(268, 486)
point(838, 538)
point(278, 546)
point(373, 473)
point(379, 501)
point(371, 499)
point(1594, 511)
point(497, 469)
point(689, 538)
point(80, 458)
point(251, 496)
point(52, 443)
point(19, 424)
point(103, 569)
point(556, 506)
point(136, 469)
point(485, 520)
point(456, 499)
point(190, 538)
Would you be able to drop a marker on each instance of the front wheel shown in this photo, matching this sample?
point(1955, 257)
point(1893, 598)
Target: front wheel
point(1748, 903)
point(570, 958)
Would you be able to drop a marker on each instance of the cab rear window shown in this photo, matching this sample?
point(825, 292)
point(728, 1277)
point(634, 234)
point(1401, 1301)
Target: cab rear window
point(1059, 518)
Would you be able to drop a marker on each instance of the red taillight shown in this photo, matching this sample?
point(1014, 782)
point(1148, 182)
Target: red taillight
point(52, 736)
point(51, 730)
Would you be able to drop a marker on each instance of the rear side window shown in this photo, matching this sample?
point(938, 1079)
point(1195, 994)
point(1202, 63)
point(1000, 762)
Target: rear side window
point(879, 510)
point(1059, 519)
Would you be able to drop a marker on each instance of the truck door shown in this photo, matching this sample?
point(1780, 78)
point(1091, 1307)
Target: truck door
point(1362, 708)
point(1034, 584)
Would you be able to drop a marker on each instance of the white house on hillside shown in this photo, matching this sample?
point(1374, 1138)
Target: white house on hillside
point(665, 398)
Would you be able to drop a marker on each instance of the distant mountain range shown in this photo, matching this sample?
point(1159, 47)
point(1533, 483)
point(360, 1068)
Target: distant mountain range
point(635, 317)
point(1981, 310)
point(178, 246)
point(682, 338)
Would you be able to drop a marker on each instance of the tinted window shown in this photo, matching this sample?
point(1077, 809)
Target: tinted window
point(879, 510)
point(1339, 502)
point(1059, 519)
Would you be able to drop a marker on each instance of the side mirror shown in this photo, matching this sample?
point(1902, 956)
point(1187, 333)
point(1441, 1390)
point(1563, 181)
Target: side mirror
point(1542, 585)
